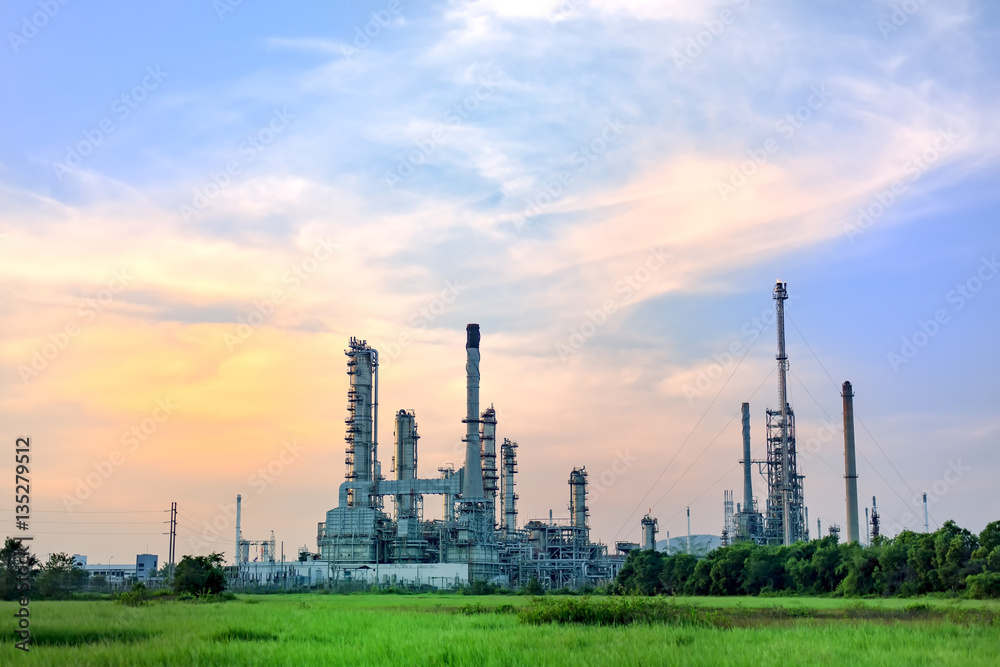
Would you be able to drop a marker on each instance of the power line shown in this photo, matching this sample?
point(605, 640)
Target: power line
point(700, 420)
point(723, 430)
point(93, 533)
point(98, 523)
point(886, 456)
point(34, 511)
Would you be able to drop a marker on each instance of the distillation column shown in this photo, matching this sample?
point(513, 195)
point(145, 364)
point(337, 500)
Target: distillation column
point(578, 510)
point(508, 456)
point(850, 467)
point(362, 420)
point(488, 436)
point(405, 461)
point(650, 526)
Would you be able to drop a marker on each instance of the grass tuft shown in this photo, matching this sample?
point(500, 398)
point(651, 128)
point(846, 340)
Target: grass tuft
point(244, 635)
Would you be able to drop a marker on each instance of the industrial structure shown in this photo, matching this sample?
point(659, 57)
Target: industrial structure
point(875, 519)
point(850, 466)
point(473, 541)
point(786, 520)
point(368, 540)
point(649, 529)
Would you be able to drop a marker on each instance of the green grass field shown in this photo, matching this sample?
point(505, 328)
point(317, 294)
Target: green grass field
point(394, 630)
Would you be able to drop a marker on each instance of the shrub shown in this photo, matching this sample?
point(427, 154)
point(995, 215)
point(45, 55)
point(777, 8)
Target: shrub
point(133, 598)
point(982, 586)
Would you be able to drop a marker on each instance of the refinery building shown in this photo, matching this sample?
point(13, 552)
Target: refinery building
point(377, 533)
point(378, 524)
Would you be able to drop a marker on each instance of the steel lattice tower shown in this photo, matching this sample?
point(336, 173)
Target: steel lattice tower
point(785, 520)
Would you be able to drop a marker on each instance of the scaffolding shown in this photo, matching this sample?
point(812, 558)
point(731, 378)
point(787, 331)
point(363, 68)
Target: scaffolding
point(785, 521)
point(729, 529)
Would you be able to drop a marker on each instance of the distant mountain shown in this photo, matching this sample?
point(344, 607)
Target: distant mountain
point(700, 544)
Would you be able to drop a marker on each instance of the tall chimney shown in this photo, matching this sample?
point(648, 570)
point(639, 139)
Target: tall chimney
point(747, 481)
point(472, 486)
point(689, 531)
point(927, 527)
point(850, 466)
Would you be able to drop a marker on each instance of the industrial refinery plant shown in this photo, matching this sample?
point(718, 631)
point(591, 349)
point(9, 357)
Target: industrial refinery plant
point(377, 533)
point(478, 539)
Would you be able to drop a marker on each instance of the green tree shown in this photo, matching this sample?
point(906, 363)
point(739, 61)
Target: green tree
point(700, 581)
point(953, 547)
point(920, 559)
point(826, 560)
point(675, 573)
point(640, 575)
point(60, 576)
point(98, 582)
point(989, 539)
point(859, 567)
point(12, 557)
point(728, 568)
point(765, 572)
point(894, 571)
point(200, 575)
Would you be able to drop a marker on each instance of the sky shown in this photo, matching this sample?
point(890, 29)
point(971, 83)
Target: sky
point(202, 201)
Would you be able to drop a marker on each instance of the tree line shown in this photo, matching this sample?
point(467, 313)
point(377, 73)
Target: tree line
point(60, 577)
point(950, 560)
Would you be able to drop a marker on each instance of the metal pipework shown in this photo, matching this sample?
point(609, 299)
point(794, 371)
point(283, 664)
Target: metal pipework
point(472, 489)
point(747, 479)
point(447, 486)
point(649, 529)
point(448, 501)
point(850, 466)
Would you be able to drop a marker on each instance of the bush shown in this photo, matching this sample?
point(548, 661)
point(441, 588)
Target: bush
point(133, 598)
point(533, 587)
point(983, 586)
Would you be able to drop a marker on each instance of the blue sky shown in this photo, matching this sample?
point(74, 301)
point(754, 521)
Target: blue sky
point(522, 159)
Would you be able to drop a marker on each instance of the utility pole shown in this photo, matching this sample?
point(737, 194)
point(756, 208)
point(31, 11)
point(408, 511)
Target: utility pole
point(173, 538)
